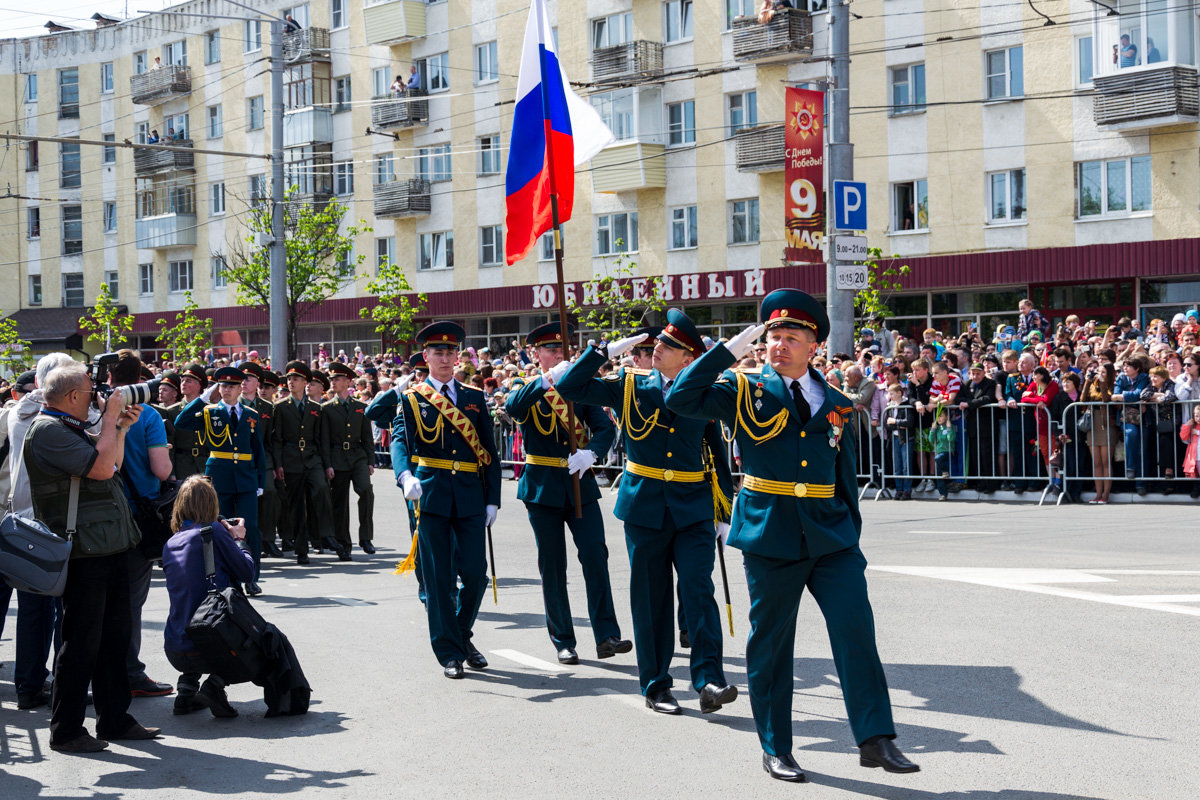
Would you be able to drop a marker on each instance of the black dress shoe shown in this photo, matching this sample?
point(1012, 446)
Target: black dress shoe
point(685, 641)
point(287, 545)
point(611, 646)
point(713, 696)
point(663, 702)
point(882, 752)
point(453, 669)
point(344, 555)
point(302, 559)
point(368, 548)
point(783, 768)
point(34, 699)
point(253, 589)
point(475, 659)
point(271, 549)
point(568, 656)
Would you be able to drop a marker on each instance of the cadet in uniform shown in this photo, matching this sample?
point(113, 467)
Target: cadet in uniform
point(447, 427)
point(797, 524)
point(236, 463)
point(547, 490)
point(256, 380)
point(189, 450)
point(349, 453)
point(676, 484)
point(297, 456)
point(168, 398)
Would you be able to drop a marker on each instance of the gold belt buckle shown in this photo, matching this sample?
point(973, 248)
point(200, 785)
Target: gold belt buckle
point(301, 445)
point(195, 452)
point(454, 465)
point(562, 462)
point(668, 475)
point(800, 490)
point(345, 445)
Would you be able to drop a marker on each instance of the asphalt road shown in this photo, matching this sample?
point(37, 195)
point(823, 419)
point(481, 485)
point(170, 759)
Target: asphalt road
point(1039, 654)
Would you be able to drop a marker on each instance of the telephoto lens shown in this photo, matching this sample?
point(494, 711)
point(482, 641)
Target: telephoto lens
point(136, 393)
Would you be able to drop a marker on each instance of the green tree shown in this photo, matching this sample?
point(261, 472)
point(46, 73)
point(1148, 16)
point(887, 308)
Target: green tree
point(318, 263)
point(106, 323)
point(189, 336)
point(393, 314)
point(883, 281)
point(618, 303)
point(15, 355)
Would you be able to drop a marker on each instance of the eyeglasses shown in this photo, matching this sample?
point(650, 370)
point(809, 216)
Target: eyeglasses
point(1189, 363)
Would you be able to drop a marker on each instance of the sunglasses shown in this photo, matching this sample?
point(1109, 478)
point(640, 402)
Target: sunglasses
point(1189, 363)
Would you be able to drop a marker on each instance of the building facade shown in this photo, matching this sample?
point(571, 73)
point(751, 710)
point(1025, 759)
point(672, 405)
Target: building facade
point(1004, 157)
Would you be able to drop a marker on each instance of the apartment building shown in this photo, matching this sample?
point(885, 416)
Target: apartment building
point(1004, 157)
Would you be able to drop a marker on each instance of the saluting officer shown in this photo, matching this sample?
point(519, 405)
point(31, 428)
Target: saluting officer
point(256, 378)
point(298, 464)
point(236, 465)
point(797, 524)
point(189, 451)
point(676, 484)
point(547, 490)
point(447, 426)
point(349, 453)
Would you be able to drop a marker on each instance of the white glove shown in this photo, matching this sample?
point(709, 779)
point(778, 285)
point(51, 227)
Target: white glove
point(623, 346)
point(723, 531)
point(553, 375)
point(743, 343)
point(403, 383)
point(489, 515)
point(580, 461)
point(410, 485)
point(259, 493)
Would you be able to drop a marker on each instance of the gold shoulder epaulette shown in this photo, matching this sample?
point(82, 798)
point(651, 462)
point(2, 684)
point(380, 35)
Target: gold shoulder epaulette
point(749, 370)
point(637, 371)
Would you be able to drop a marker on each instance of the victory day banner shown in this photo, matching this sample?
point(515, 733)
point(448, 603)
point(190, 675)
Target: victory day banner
point(804, 175)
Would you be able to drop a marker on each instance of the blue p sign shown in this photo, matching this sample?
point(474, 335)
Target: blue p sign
point(849, 206)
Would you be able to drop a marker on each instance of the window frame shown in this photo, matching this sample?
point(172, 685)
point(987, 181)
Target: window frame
point(916, 184)
point(913, 106)
point(217, 264)
point(684, 18)
point(384, 169)
point(337, 11)
point(69, 178)
point(145, 280)
point(1009, 217)
point(489, 151)
point(108, 155)
point(685, 222)
point(68, 109)
point(216, 199)
point(31, 87)
point(1080, 61)
point(110, 217)
point(250, 45)
point(496, 245)
point(343, 173)
point(175, 274)
point(250, 113)
point(624, 36)
point(112, 279)
point(683, 133)
point(491, 52)
point(447, 250)
point(33, 222)
point(341, 104)
point(1014, 81)
point(106, 77)
point(216, 122)
point(747, 5)
point(442, 73)
point(1104, 166)
point(385, 249)
point(605, 226)
point(752, 224)
point(428, 160)
point(748, 110)
point(212, 46)
point(76, 291)
point(35, 289)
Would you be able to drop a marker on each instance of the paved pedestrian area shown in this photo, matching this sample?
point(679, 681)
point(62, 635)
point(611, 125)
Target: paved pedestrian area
point(1032, 654)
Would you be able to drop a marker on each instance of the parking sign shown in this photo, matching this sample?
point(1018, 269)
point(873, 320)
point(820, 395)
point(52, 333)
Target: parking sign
point(849, 205)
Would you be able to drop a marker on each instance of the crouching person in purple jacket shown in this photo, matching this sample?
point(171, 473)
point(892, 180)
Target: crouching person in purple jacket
point(196, 507)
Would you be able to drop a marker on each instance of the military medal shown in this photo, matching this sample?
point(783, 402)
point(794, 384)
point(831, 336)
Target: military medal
point(758, 404)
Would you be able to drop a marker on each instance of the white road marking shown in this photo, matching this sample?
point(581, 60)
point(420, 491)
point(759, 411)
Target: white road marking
point(350, 601)
point(631, 700)
point(1032, 580)
point(958, 533)
point(530, 661)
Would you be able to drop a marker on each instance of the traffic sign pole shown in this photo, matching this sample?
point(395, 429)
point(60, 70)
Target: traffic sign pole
point(839, 303)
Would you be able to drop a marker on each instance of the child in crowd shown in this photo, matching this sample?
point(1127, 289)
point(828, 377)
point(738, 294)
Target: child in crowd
point(900, 421)
point(944, 435)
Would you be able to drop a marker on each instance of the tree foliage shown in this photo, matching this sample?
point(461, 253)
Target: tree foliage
point(106, 324)
point(618, 303)
point(319, 260)
point(394, 313)
point(15, 355)
point(883, 281)
point(188, 338)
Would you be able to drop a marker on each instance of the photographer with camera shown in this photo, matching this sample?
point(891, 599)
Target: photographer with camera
point(61, 461)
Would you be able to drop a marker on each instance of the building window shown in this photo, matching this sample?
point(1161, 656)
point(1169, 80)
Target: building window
point(1006, 195)
point(385, 252)
point(139, 63)
point(683, 228)
point(491, 245)
point(616, 109)
point(612, 30)
point(435, 73)
point(109, 155)
point(1083, 61)
point(68, 160)
point(72, 290)
point(489, 155)
point(743, 221)
point(1114, 188)
point(216, 125)
point(487, 64)
point(433, 163)
point(910, 206)
point(212, 47)
point(337, 14)
point(112, 279)
point(145, 279)
point(72, 230)
point(142, 132)
point(385, 168)
point(68, 93)
point(110, 217)
point(106, 78)
point(436, 250)
point(379, 82)
point(217, 272)
point(743, 111)
point(908, 89)
point(252, 36)
point(738, 8)
point(175, 53)
point(341, 94)
point(33, 222)
point(31, 156)
point(258, 190)
point(616, 233)
point(35, 290)
point(681, 122)
point(179, 276)
point(216, 198)
point(1004, 73)
point(254, 113)
point(343, 178)
point(546, 245)
point(31, 87)
point(677, 25)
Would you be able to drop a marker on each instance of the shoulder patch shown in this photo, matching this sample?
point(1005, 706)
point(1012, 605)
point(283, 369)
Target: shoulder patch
point(612, 376)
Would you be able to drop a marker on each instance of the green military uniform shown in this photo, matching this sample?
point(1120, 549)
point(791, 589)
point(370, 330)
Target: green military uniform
point(348, 448)
point(295, 442)
point(268, 501)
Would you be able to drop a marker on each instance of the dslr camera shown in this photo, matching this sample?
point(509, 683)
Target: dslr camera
point(134, 394)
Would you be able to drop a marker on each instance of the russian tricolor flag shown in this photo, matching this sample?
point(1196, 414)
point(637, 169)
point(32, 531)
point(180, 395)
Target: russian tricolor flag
point(553, 130)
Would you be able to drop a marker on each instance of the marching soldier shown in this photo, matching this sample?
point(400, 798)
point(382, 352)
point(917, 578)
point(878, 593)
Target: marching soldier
point(797, 524)
point(317, 387)
point(676, 484)
point(256, 378)
point(236, 465)
point(547, 490)
point(349, 453)
point(189, 449)
point(168, 397)
point(297, 456)
point(448, 428)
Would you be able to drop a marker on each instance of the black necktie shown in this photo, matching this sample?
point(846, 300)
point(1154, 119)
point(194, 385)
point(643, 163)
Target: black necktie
point(802, 407)
point(233, 417)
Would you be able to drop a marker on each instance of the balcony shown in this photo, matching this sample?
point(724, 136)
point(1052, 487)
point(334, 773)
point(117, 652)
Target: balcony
point(786, 37)
point(400, 112)
point(394, 22)
point(310, 44)
point(1136, 99)
point(629, 165)
point(760, 149)
point(629, 61)
point(148, 161)
point(317, 199)
point(313, 125)
point(160, 85)
point(165, 230)
point(402, 198)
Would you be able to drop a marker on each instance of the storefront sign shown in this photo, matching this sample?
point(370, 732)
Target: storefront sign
point(804, 175)
point(698, 286)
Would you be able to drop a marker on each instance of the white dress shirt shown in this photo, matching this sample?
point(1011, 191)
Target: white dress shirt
point(811, 390)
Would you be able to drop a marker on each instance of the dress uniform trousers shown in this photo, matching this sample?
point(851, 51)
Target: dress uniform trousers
point(360, 476)
point(245, 505)
point(451, 549)
point(307, 488)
